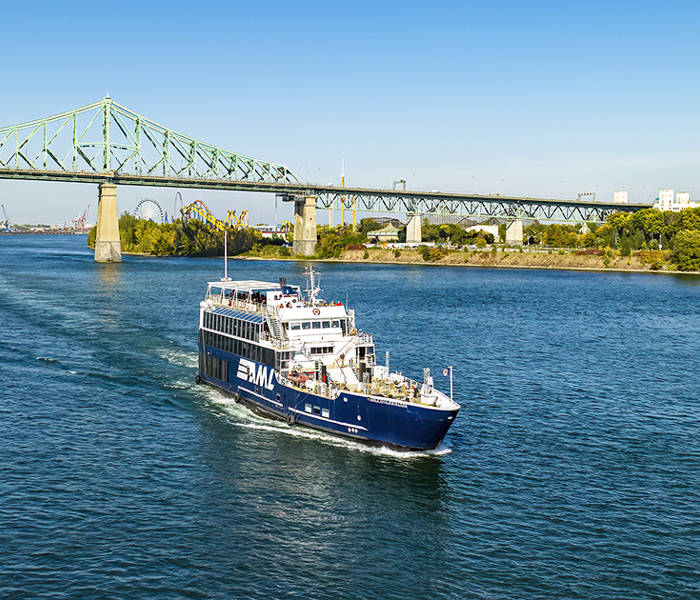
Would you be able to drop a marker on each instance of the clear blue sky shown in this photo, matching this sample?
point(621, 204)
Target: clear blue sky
point(526, 98)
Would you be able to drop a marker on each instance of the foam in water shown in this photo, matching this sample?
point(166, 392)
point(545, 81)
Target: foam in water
point(179, 358)
point(243, 417)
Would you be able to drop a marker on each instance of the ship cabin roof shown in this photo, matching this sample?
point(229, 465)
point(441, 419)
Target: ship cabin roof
point(251, 294)
point(246, 285)
point(250, 287)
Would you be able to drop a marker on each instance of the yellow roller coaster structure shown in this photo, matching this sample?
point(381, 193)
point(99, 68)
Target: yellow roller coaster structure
point(199, 209)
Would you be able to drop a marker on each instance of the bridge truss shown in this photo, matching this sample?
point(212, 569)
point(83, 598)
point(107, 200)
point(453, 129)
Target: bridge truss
point(105, 142)
point(467, 206)
point(106, 137)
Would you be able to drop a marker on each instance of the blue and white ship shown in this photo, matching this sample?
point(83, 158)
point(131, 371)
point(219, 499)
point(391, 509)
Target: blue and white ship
point(291, 356)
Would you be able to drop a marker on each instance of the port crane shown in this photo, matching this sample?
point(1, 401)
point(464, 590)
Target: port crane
point(5, 224)
point(78, 223)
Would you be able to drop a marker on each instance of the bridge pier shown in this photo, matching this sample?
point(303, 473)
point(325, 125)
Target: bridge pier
point(414, 228)
point(514, 233)
point(304, 225)
point(108, 247)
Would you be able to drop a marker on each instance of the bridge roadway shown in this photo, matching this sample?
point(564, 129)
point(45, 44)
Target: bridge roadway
point(362, 199)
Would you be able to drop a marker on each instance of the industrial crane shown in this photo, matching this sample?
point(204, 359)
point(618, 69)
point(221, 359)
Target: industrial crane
point(5, 225)
point(78, 222)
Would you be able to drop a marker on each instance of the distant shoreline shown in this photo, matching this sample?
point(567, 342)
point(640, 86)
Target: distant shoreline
point(464, 265)
point(487, 260)
point(41, 233)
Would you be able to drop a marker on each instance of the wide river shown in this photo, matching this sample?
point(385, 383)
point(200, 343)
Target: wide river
point(572, 470)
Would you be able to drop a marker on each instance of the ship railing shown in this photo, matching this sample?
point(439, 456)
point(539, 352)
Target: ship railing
point(278, 343)
point(240, 304)
point(319, 388)
point(364, 338)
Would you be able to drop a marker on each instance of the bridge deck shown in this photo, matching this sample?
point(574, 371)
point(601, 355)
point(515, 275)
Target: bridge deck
point(301, 189)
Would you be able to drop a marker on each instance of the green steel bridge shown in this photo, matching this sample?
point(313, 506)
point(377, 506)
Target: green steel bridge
point(105, 143)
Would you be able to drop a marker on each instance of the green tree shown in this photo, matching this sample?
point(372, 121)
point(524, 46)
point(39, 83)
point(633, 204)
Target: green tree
point(367, 225)
point(436, 253)
point(329, 246)
point(686, 250)
point(502, 232)
point(625, 245)
point(430, 232)
point(620, 221)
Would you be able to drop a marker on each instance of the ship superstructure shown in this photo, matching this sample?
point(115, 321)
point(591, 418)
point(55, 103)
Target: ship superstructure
point(290, 355)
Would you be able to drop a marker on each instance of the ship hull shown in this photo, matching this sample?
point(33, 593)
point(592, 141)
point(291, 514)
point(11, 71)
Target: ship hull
point(368, 419)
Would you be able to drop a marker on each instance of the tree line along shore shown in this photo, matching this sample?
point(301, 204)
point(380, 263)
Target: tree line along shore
point(647, 240)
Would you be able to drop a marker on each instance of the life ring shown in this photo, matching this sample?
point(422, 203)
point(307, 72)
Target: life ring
point(291, 418)
point(317, 311)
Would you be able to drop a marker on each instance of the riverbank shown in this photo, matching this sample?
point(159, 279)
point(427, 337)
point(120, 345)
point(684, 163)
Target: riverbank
point(638, 262)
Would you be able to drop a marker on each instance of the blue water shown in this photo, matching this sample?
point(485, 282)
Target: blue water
point(572, 470)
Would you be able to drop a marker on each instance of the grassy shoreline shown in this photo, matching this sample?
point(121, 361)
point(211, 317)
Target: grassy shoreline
point(487, 259)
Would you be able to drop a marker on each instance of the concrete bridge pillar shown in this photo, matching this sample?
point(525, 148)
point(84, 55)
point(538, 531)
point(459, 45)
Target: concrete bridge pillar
point(304, 225)
point(108, 247)
point(414, 234)
point(514, 233)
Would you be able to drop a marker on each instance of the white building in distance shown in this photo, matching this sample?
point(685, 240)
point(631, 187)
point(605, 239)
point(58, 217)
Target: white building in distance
point(621, 197)
point(668, 200)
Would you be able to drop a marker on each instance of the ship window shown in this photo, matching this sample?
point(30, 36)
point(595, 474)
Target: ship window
point(306, 325)
point(317, 324)
point(295, 326)
point(277, 397)
point(336, 323)
point(317, 410)
point(326, 324)
point(325, 413)
point(307, 408)
point(322, 350)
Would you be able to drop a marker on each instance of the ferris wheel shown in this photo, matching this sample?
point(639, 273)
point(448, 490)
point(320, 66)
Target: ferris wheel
point(149, 209)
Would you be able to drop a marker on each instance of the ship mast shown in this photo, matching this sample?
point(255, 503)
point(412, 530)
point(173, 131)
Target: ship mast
point(313, 288)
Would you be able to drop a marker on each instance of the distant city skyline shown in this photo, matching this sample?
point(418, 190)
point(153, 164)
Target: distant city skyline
point(538, 99)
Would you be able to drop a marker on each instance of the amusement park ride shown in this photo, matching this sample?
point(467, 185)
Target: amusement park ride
point(199, 209)
point(149, 208)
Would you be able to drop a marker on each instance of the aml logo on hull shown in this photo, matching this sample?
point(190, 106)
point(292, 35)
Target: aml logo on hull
point(257, 375)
